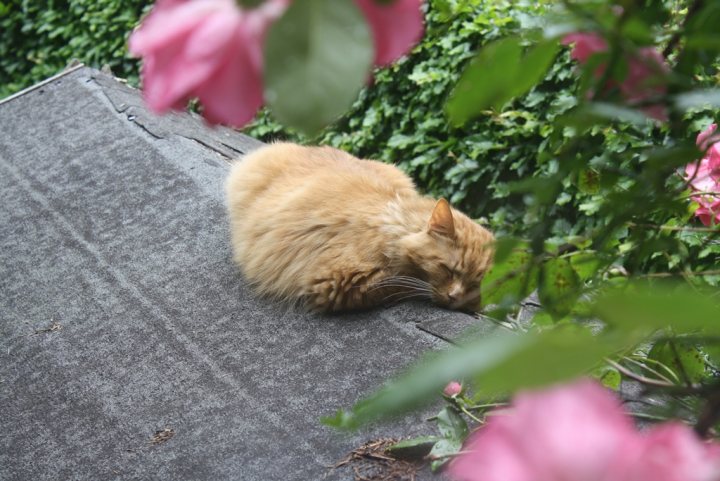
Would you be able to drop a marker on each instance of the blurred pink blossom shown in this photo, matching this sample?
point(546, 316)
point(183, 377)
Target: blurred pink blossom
point(452, 389)
point(704, 176)
point(673, 452)
point(579, 432)
point(209, 49)
point(396, 27)
point(644, 68)
point(213, 50)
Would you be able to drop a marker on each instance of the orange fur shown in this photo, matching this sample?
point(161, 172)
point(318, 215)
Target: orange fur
point(322, 229)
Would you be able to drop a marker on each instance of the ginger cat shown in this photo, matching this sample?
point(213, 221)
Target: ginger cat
point(321, 229)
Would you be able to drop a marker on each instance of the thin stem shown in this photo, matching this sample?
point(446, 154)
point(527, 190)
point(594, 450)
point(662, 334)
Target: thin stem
point(675, 228)
point(711, 272)
point(649, 369)
point(470, 415)
point(637, 377)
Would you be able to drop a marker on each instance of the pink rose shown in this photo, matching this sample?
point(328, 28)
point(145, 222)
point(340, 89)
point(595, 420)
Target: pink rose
point(579, 432)
point(704, 176)
point(452, 389)
point(396, 27)
point(584, 45)
point(574, 433)
point(212, 50)
point(673, 452)
point(209, 49)
point(641, 81)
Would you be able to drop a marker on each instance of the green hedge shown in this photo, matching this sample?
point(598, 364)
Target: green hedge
point(40, 37)
point(400, 118)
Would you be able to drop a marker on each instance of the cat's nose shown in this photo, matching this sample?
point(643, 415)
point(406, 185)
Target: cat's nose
point(455, 292)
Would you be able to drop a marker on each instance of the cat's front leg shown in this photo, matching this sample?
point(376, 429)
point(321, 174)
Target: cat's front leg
point(358, 289)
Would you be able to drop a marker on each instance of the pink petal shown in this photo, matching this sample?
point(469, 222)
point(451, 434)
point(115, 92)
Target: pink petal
point(574, 432)
point(702, 138)
point(585, 45)
point(169, 22)
point(396, 27)
point(672, 452)
point(492, 456)
point(453, 388)
point(235, 92)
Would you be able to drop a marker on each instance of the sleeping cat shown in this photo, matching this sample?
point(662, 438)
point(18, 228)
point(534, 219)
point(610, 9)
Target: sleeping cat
point(321, 229)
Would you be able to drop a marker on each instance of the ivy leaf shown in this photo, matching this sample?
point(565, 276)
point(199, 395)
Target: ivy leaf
point(309, 81)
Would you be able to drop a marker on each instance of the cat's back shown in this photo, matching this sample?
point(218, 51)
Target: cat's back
point(284, 169)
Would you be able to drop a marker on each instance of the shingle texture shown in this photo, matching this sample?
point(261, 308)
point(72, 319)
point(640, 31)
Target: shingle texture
point(121, 313)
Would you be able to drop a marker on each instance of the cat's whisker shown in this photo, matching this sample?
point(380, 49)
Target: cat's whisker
point(422, 295)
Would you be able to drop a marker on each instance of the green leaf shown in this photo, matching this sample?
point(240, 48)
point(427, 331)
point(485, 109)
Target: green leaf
point(559, 287)
point(644, 306)
point(451, 424)
point(553, 356)
point(585, 264)
point(499, 365)
point(609, 377)
point(442, 451)
point(591, 114)
point(698, 98)
point(496, 75)
point(510, 280)
point(414, 448)
point(425, 381)
point(684, 358)
point(317, 58)
point(589, 181)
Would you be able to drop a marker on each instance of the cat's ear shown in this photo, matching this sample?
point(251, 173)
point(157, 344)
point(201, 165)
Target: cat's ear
point(441, 220)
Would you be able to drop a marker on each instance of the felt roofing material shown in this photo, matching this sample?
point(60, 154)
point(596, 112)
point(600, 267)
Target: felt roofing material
point(130, 347)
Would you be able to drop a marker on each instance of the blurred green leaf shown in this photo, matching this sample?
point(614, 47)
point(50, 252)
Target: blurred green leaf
point(498, 74)
point(684, 358)
point(591, 114)
point(698, 98)
point(646, 306)
point(498, 364)
point(309, 80)
point(559, 286)
point(511, 279)
point(585, 264)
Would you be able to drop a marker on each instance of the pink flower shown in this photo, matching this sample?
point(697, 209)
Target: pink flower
point(641, 81)
point(213, 50)
point(673, 452)
point(704, 176)
point(585, 45)
point(579, 432)
point(209, 49)
point(452, 389)
point(568, 433)
point(396, 27)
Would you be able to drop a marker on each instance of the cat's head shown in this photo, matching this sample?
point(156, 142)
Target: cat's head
point(452, 253)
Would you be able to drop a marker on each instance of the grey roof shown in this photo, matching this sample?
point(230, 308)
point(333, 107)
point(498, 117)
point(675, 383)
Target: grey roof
point(122, 314)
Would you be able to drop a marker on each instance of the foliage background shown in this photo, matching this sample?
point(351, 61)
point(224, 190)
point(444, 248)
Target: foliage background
point(40, 37)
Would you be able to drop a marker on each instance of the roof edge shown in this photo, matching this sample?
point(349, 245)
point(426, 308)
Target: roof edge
point(42, 83)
